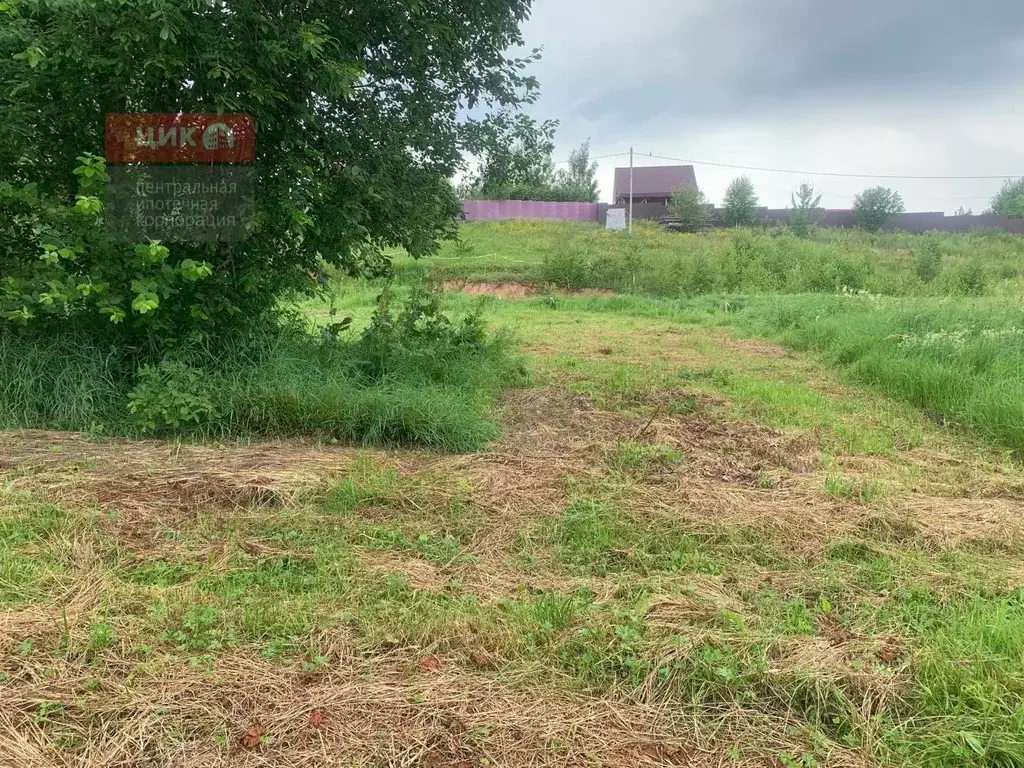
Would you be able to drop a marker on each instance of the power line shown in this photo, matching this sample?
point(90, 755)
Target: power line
point(592, 159)
point(825, 173)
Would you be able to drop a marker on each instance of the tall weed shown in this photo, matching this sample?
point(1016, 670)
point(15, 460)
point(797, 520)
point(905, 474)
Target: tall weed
point(415, 375)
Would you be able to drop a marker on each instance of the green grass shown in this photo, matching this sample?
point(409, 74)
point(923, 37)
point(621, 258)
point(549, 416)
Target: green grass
point(611, 563)
point(573, 256)
point(435, 392)
point(29, 534)
point(960, 361)
point(671, 625)
point(900, 313)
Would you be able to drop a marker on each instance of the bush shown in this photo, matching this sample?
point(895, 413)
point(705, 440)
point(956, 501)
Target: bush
point(569, 267)
point(700, 276)
point(928, 263)
point(804, 201)
point(170, 395)
point(414, 376)
point(875, 206)
point(419, 339)
point(689, 205)
point(654, 262)
point(972, 280)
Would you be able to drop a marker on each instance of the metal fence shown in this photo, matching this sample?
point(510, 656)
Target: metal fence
point(493, 210)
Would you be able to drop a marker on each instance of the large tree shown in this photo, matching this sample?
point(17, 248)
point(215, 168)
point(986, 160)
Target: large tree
point(875, 206)
point(579, 178)
point(356, 109)
point(739, 208)
point(515, 161)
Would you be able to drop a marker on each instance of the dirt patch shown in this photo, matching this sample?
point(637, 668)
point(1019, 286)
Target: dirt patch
point(738, 451)
point(418, 574)
point(155, 485)
point(756, 347)
point(515, 290)
point(731, 473)
point(499, 290)
point(154, 473)
point(561, 427)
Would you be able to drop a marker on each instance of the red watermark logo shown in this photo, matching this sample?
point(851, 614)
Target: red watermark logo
point(190, 137)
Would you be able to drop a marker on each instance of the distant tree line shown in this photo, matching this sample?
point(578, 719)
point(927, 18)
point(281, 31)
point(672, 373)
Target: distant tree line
point(1009, 201)
point(873, 207)
point(520, 166)
point(516, 163)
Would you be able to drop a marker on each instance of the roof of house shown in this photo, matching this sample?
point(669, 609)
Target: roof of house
point(654, 180)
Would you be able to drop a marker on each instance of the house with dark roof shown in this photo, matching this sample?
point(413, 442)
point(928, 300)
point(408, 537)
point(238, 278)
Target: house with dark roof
point(652, 184)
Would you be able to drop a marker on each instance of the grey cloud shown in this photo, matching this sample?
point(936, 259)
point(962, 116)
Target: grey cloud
point(618, 67)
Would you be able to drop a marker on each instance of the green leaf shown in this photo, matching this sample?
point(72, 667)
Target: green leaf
point(88, 204)
point(973, 742)
point(195, 270)
point(33, 55)
point(116, 313)
point(145, 302)
point(726, 673)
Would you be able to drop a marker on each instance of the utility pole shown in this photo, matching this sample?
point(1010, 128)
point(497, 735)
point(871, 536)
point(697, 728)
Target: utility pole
point(631, 190)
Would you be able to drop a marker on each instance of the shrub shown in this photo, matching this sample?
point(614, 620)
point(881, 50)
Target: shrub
point(415, 375)
point(928, 263)
point(689, 205)
point(972, 280)
point(419, 337)
point(170, 395)
point(875, 206)
point(700, 276)
point(804, 201)
point(739, 208)
point(568, 267)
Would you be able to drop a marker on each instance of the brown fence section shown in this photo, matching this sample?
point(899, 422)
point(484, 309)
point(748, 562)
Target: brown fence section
point(905, 222)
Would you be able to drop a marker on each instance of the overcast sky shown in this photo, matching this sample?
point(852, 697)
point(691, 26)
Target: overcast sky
point(901, 87)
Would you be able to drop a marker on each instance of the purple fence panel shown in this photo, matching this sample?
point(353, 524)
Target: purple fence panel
point(492, 210)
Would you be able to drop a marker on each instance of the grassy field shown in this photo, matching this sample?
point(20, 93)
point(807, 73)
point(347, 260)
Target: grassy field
point(951, 344)
point(690, 545)
point(573, 256)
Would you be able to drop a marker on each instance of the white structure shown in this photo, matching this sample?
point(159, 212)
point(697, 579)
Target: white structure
point(616, 219)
